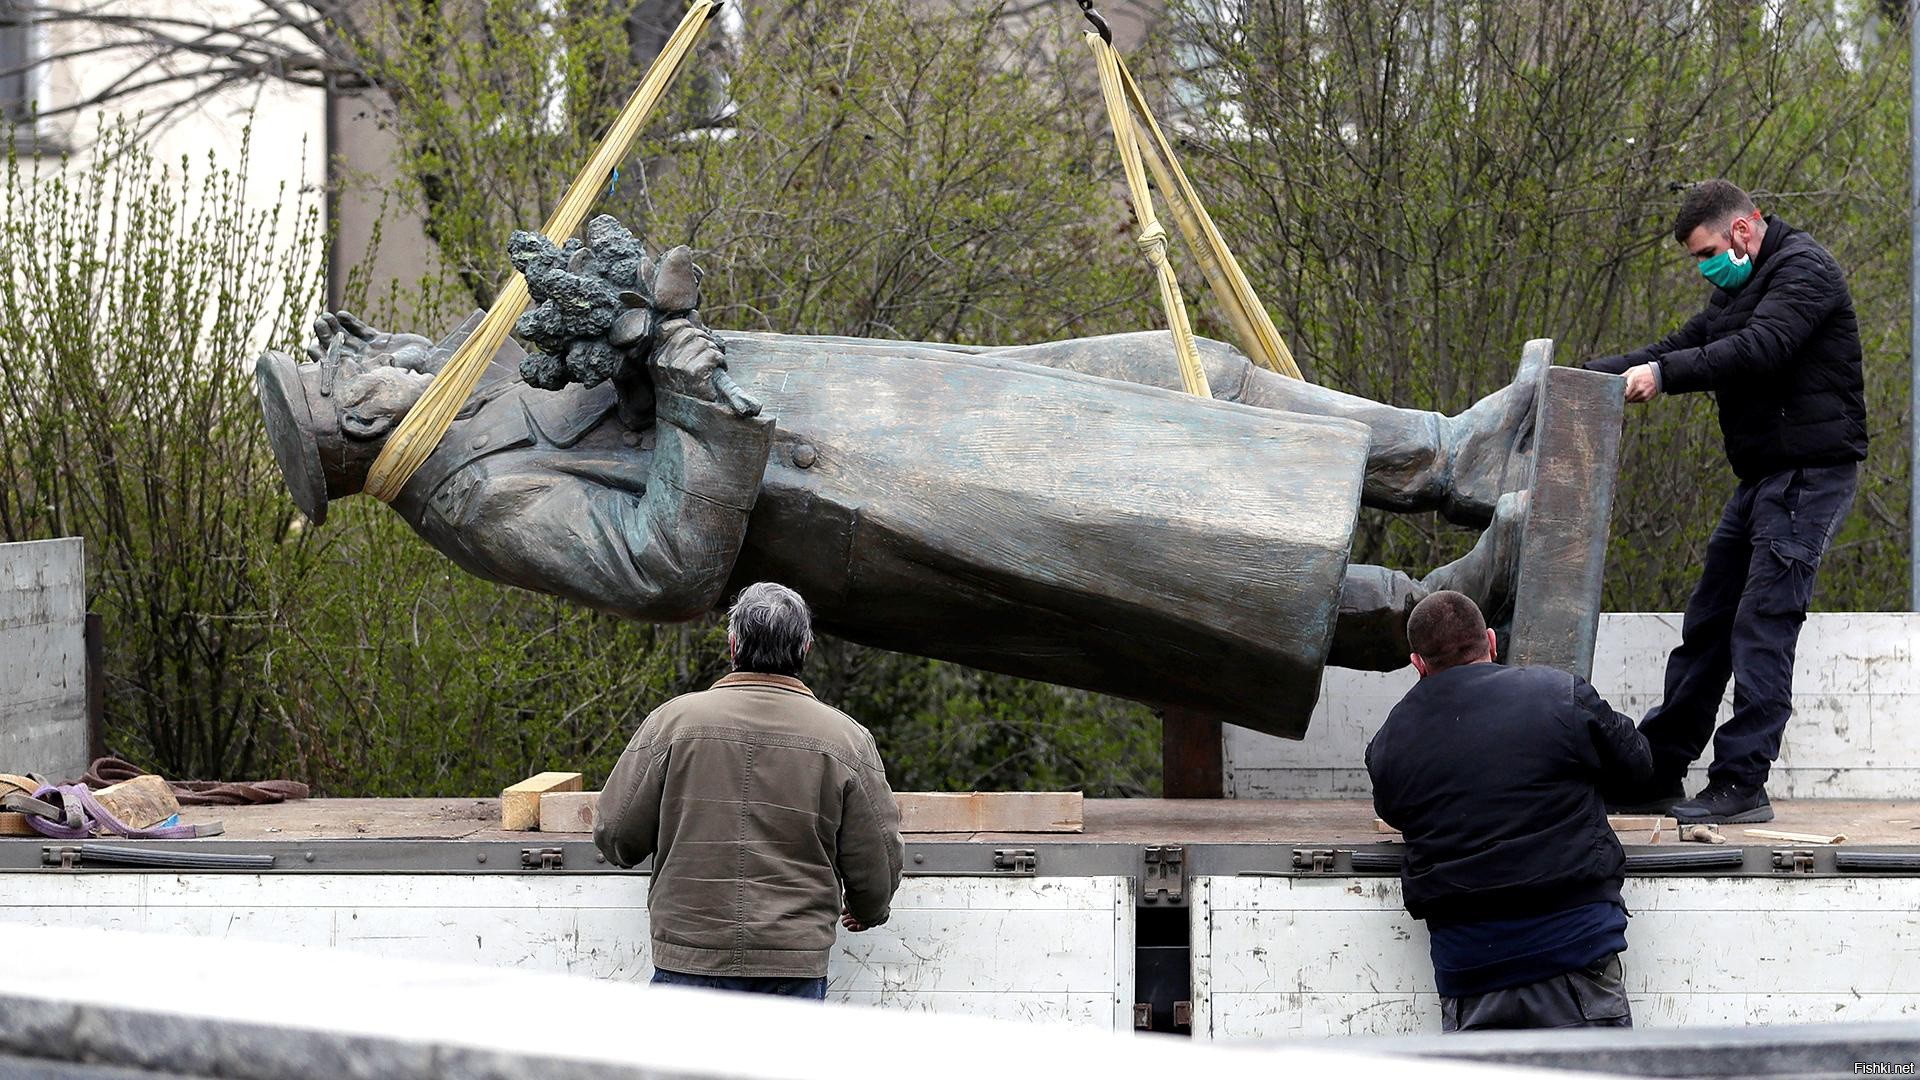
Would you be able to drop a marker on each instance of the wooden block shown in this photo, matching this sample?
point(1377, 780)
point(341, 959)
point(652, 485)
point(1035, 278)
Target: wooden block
point(520, 804)
point(1797, 837)
point(1563, 545)
point(12, 824)
point(568, 811)
point(991, 811)
point(141, 802)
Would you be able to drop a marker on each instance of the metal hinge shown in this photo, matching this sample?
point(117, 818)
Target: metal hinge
point(1164, 878)
point(1016, 861)
point(1143, 1016)
point(1313, 860)
point(1795, 862)
point(66, 858)
point(545, 858)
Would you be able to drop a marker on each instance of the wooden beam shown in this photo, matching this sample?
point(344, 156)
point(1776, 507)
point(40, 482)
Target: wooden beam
point(520, 804)
point(568, 811)
point(1797, 837)
point(991, 811)
point(1192, 756)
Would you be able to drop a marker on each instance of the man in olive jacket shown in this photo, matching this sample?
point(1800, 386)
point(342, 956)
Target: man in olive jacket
point(1779, 348)
point(766, 811)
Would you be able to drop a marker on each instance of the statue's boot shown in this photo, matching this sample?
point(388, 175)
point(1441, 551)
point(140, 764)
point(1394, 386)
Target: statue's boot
point(1423, 461)
point(1419, 461)
point(1371, 633)
point(1488, 573)
point(1489, 447)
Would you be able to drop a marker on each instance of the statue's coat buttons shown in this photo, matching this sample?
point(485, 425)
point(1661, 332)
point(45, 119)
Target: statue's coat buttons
point(803, 456)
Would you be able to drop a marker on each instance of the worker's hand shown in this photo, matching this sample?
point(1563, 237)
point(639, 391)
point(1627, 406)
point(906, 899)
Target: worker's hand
point(1641, 385)
point(847, 920)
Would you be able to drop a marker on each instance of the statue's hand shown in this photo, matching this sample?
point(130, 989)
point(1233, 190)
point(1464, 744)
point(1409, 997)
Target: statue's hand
point(342, 332)
point(686, 358)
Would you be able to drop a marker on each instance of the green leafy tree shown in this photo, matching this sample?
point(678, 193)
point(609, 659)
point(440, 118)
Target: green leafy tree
point(1418, 187)
point(132, 288)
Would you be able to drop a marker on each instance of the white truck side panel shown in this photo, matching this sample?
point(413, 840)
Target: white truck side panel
point(1855, 732)
point(1293, 957)
point(1051, 949)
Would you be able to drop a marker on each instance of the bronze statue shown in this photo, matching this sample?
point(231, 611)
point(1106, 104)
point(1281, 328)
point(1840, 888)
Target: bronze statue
point(1051, 511)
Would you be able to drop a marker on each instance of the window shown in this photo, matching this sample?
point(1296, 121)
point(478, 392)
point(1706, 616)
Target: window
point(16, 55)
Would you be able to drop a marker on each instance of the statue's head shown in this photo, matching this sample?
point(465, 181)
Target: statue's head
point(328, 417)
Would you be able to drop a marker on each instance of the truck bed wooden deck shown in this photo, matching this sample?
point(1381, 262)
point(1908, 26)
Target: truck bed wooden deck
point(1338, 822)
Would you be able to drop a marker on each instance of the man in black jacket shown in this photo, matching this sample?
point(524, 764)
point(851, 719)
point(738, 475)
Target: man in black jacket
point(1493, 775)
point(1779, 348)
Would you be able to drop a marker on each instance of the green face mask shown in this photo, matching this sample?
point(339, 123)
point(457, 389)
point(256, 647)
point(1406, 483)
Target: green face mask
point(1727, 270)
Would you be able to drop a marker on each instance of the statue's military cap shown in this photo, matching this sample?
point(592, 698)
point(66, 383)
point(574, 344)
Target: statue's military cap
point(283, 400)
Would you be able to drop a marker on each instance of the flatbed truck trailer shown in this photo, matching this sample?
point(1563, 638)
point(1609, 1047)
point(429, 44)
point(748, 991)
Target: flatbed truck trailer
point(1226, 919)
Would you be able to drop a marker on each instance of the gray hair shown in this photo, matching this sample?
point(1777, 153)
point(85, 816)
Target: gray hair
point(770, 628)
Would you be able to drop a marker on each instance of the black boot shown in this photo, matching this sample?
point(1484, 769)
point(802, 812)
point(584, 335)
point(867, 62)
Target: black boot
point(1725, 803)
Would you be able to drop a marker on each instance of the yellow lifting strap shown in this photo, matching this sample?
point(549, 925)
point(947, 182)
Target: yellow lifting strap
point(1138, 136)
point(414, 440)
point(1153, 238)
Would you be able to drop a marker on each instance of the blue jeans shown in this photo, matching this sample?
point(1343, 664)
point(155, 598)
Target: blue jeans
point(1743, 621)
point(815, 989)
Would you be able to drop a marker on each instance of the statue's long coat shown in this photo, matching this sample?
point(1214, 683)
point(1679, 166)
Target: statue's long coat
point(1017, 518)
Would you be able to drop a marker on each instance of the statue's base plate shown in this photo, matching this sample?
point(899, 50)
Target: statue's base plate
point(1563, 546)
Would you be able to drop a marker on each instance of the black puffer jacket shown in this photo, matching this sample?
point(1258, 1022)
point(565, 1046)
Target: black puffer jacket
point(1782, 357)
point(1494, 775)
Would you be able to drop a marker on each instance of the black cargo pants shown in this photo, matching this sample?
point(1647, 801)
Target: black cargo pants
point(1744, 621)
point(1593, 997)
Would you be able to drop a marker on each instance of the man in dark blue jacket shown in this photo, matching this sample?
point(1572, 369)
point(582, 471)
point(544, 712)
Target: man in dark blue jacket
point(1493, 775)
point(1779, 348)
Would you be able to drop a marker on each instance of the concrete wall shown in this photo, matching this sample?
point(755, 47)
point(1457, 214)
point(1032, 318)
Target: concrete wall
point(43, 671)
point(361, 135)
point(1855, 732)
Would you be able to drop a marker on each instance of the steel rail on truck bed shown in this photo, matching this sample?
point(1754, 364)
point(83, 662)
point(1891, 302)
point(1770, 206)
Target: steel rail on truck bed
point(1159, 867)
